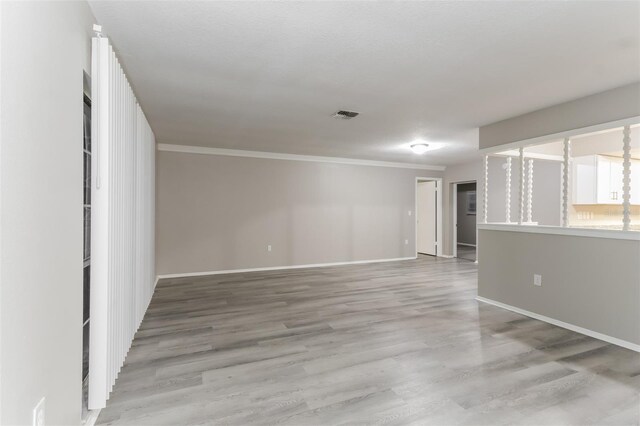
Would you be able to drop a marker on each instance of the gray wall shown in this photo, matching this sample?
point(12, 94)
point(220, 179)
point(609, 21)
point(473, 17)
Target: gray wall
point(219, 213)
point(593, 283)
point(547, 191)
point(44, 48)
point(615, 104)
point(589, 282)
point(466, 222)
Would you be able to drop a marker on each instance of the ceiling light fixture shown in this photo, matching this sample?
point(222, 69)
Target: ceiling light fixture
point(419, 148)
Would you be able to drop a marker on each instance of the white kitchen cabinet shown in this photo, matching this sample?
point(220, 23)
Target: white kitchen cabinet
point(597, 179)
point(609, 180)
point(584, 180)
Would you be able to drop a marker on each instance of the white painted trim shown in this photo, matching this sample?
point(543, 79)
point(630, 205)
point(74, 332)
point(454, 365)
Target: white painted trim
point(465, 244)
point(568, 326)
point(92, 417)
point(454, 212)
point(583, 131)
point(1, 232)
point(557, 230)
point(439, 217)
point(447, 256)
point(278, 268)
point(296, 157)
point(533, 155)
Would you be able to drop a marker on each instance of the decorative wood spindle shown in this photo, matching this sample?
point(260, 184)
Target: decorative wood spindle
point(626, 179)
point(565, 181)
point(530, 191)
point(521, 194)
point(485, 198)
point(508, 192)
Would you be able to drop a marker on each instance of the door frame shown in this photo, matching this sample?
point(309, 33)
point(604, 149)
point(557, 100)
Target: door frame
point(454, 218)
point(439, 189)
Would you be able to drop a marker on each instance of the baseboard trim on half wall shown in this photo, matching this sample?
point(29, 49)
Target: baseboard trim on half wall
point(572, 327)
point(277, 268)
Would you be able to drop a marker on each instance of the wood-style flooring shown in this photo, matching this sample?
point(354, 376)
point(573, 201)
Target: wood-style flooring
point(389, 343)
point(466, 252)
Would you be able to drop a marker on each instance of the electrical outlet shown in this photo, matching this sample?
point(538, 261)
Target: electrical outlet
point(269, 247)
point(409, 212)
point(406, 242)
point(38, 413)
point(537, 280)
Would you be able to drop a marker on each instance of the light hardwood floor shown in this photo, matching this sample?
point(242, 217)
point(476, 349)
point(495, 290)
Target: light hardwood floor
point(388, 343)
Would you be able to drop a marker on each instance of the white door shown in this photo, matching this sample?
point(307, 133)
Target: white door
point(426, 217)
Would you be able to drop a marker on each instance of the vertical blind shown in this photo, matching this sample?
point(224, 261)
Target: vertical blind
point(122, 220)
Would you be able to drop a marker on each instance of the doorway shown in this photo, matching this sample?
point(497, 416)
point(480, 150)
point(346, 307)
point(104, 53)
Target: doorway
point(464, 228)
point(428, 216)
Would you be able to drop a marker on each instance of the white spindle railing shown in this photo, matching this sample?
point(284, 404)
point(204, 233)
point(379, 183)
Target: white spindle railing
point(626, 178)
point(122, 222)
point(521, 193)
point(566, 172)
point(508, 191)
point(530, 191)
point(485, 198)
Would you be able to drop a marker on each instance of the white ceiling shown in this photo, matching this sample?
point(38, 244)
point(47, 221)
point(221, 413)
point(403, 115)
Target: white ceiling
point(266, 76)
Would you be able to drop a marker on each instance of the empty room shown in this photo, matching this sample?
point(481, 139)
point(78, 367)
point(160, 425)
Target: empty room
point(319, 212)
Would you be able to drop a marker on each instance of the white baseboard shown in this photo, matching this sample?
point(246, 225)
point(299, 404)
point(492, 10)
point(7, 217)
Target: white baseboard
point(577, 329)
point(92, 417)
point(447, 256)
point(277, 268)
point(467, 245)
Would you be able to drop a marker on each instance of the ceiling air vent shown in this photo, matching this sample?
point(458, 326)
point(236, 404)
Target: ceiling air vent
point(345, 115)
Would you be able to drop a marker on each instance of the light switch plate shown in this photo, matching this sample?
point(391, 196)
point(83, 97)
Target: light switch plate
point(537, 280)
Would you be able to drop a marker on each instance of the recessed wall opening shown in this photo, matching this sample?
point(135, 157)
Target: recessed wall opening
point(464, 220)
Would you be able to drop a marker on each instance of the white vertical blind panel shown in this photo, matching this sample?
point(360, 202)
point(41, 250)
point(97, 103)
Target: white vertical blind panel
point(122, 246)
point(145, 227)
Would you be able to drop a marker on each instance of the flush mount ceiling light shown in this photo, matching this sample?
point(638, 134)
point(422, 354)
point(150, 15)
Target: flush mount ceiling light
point(419, 148)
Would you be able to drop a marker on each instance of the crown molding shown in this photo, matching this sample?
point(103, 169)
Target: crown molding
point(295, 157)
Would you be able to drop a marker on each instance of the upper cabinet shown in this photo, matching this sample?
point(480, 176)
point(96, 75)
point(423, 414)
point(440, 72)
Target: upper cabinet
point(597, 179)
